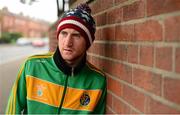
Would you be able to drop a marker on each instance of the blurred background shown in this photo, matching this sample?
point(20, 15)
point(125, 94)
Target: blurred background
point(24, 31)
point(137, 46)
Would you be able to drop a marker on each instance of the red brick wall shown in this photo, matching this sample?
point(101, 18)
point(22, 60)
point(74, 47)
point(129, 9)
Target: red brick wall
point(138, 47)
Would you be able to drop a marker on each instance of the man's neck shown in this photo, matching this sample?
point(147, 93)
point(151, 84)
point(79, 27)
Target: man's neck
point(75, 62)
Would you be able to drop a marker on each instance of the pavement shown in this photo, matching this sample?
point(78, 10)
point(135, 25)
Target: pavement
point(11, 58)
point(8, 74)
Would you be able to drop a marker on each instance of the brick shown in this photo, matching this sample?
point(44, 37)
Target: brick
point(91, 49)
point(108, 33)
point(132, 54)
point(108, 50)
point(124, 33)
point(177, 60)
point(121, 52)
point(100, 19)
point(105, 50)
point(134, 112)
point(117, 106)
point(106, 66)
point(114, 86)
point(96, 61)
point(121, 71)
point(95, 7)
point(108, 111)
point(155, 107)
point(126, 109)
point(101, 49)
point(125, 73)
point(105, 4)
point(100, 5)
point(114, 48)
point(98, 48)
point(98, 35)
point(146, 55)
point(109, 100)
point(171, 90)
point(134, 97)
point(155, 7)
point(89, 58)
point(148, 81)
point(100, 63)
point(148, 31)
point(164, 58)
point(114, 16)
point(119, 1)
point(172, 27)
point(134, 11)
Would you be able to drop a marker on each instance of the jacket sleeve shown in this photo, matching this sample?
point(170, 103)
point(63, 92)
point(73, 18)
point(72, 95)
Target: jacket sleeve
point(17, 99)
point(101, 106)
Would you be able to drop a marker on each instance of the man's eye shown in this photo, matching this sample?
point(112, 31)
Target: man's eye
point(77, 35)
point(63, 33)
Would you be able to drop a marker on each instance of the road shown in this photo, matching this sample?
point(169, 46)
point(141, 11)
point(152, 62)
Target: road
point(11, 57)
point(13, 52)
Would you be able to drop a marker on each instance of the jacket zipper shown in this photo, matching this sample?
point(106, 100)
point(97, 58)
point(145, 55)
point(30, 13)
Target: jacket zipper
point(64, 92)
point(72, 71)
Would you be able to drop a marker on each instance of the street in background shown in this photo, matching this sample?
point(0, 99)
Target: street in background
point(11, 58)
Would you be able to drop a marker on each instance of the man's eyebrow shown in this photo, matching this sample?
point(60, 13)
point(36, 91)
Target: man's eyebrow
point(76, 33)
point(62, 31)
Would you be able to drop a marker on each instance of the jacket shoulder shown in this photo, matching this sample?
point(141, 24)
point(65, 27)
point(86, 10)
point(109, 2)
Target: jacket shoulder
point(95, 69)
point(40, 56)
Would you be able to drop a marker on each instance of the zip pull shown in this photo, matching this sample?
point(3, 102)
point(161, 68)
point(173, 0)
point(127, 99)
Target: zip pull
point(72, 71)
point(64, 93)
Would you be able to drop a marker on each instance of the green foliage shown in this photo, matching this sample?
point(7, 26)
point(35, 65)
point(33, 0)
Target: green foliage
point(8, 37)
point(44, 34)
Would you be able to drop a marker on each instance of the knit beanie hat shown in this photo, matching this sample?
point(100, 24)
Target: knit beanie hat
point(81, 20)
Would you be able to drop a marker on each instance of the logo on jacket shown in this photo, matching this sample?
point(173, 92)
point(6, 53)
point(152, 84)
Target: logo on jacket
point(39, 92)
point(40, 89)
point(85, 99)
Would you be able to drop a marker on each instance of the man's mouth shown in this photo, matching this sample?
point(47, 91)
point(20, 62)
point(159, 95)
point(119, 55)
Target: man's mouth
point(68, 50)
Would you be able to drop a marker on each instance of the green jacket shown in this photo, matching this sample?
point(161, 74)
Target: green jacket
point(46, 85)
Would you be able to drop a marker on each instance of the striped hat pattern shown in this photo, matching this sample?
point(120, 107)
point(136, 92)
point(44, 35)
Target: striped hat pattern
point(81, 20)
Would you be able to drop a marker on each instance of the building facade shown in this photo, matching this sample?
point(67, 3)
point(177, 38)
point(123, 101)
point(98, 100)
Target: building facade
point(27, 26)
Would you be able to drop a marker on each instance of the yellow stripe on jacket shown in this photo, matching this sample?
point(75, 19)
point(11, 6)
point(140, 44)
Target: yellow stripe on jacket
point(50, 93)
point(44, 91)
point(79, 99)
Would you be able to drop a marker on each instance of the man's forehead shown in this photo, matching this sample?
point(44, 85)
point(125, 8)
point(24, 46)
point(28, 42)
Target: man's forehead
point(71, 30)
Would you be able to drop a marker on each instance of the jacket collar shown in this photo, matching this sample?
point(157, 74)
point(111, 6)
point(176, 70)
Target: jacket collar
point(62, 65)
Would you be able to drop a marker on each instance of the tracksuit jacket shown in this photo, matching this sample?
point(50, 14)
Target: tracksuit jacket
point(46, 85)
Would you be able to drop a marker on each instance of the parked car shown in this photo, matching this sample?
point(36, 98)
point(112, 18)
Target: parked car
point(38, 43)
point(23, 41)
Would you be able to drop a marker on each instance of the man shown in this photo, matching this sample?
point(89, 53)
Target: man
point(62, 82)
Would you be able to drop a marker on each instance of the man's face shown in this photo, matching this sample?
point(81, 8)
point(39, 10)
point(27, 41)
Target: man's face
point(72, 45)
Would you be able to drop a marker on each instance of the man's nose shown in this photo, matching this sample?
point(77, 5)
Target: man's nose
point(69, 41)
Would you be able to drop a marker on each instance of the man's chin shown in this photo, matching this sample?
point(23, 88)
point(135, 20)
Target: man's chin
point(69, 60)
point(68, 57)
